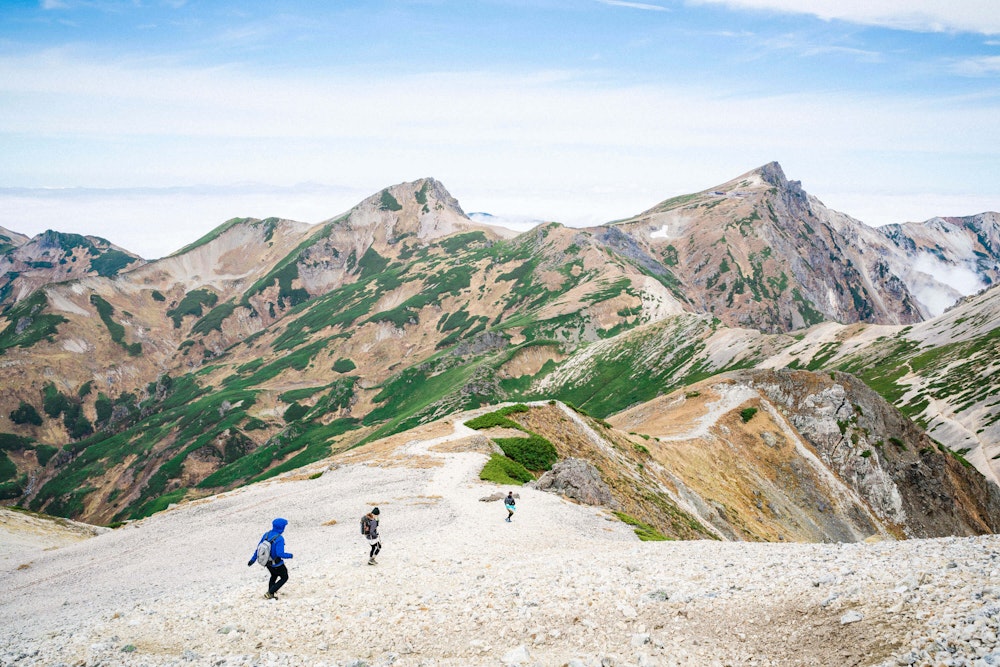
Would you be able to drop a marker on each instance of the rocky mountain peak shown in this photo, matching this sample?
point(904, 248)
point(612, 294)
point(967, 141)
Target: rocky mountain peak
point(772, 173)
point(10, 239)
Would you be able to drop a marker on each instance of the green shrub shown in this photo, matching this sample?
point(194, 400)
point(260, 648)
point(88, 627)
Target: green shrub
point(111, 262)
point(29, 323)
point(213, 321)
point(491, 420)
point(746, 414)
point(26, 414)
point(10, 442)
point(192, 304)
point(295, 411)
point(644, 531)
point(343, 366)
point(53, 401)
point(502, 470)
point(157, 296)
point(8, 470)
point(75, 422)
point(104, 407)
point(255, 424)
point(45, 453)
point(388, 203)
point(117, 331)
point(533, 452)
point(14, 489)
point(865, 454)
point(498, 418)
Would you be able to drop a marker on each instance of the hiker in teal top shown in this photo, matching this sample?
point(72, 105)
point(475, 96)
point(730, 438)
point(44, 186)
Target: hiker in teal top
point(510, 505)
point(275, 562)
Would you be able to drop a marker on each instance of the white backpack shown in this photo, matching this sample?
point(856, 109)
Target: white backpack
point(264, 551)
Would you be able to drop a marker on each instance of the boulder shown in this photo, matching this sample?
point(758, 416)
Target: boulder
point(579, 480)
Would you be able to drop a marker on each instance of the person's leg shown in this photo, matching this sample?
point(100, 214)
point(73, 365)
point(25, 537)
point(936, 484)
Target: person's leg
point(279, 575)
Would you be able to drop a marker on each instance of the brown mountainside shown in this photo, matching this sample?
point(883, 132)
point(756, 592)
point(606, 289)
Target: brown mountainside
point(794, 455)
point(759, 252)
point(267, 344)
point(54, 257)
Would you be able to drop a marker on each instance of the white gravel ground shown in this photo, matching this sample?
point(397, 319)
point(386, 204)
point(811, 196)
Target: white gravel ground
point(562, 584)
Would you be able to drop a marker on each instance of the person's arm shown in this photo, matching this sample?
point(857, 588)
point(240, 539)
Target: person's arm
point(278, 548)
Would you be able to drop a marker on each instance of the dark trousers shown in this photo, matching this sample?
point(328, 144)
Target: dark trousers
point(375, 549)
point(279, 575)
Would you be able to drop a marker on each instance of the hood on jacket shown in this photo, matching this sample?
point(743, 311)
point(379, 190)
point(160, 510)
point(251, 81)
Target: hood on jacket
point(279, 525)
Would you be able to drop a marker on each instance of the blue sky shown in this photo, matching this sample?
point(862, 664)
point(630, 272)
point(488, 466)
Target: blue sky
point(179, 115)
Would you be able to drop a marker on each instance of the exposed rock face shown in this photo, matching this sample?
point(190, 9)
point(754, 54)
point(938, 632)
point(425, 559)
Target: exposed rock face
point(55, 257)
point(758, 251)
point(894, 466)
point(579, 480)
point(796, 455)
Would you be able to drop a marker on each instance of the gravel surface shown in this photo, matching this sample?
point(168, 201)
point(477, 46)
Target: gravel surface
point(562, 584)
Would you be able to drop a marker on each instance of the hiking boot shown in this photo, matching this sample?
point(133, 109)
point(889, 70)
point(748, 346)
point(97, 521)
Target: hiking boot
point(269, 595)
point(371, 561)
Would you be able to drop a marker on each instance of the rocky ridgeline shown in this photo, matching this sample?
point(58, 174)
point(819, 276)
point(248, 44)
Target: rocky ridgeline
point(563, 584)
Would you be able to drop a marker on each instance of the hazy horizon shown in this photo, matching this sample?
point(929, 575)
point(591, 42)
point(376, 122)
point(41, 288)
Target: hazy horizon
point(579, 111)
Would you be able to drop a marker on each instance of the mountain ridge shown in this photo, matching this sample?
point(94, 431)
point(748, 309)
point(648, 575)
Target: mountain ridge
point(267, 344)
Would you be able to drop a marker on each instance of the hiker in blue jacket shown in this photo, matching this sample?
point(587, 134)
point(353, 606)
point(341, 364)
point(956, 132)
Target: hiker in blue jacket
point(275, 564)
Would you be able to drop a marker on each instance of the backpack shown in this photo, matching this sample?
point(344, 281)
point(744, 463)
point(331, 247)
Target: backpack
point(365, 523)
point(264, 551)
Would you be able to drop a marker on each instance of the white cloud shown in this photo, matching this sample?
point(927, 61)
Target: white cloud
point(962, 279)
point(554, 145)
point(976, 16)
point(634, 5)
point(983, 66)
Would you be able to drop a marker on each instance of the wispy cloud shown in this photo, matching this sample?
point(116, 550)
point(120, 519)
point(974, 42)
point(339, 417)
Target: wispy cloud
point(977, 67)
point(863, 55)
point(634, 5)
point(975, 16)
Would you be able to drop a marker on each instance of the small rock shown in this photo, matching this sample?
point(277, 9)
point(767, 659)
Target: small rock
point(517, 656)
point(851, 617)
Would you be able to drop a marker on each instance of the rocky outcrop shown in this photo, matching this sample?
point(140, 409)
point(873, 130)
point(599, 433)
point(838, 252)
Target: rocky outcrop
point(579, 480)
point(904, 477)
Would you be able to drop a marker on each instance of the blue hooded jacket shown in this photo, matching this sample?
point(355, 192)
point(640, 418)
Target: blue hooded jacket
point(278, 546)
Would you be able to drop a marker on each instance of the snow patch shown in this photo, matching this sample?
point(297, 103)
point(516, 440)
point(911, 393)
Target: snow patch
point(661, 233)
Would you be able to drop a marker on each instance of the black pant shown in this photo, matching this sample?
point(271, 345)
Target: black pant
point(375, 549)
point(279, 575)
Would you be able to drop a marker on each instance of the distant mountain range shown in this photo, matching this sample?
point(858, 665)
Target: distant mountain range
point(267, 344)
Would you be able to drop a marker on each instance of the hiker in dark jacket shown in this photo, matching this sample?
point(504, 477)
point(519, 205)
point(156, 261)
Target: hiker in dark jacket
point(510, 505)
point(275, 565)
point(369, 528)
